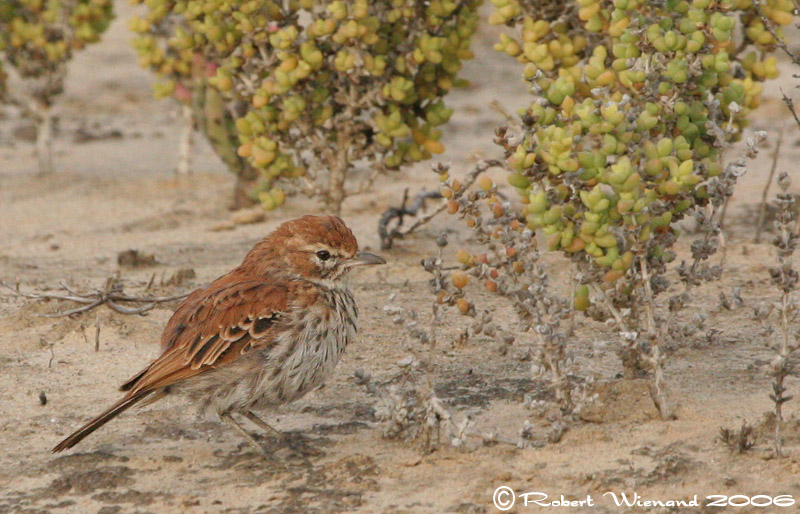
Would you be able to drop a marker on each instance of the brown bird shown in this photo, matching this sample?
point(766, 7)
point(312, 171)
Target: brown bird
point(263, 335)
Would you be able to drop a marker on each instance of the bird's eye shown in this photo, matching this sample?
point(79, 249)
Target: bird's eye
point(323, 255)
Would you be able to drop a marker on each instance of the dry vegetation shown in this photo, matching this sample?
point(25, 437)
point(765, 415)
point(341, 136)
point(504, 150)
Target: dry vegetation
point(485, 359)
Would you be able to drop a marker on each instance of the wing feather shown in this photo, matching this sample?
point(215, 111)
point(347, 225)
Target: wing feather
point(214, 329)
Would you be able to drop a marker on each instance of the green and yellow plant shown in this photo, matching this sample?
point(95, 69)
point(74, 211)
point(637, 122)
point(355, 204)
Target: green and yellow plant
point(37, 40)
point(634, 105)
point(319, 88)
point(165, 45)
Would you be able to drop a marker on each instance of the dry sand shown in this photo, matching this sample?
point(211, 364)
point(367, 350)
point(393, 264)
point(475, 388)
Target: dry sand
point(117, 191)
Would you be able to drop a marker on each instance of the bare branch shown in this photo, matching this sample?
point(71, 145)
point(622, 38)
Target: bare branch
point(388, 236)
point(770, 26)
point(112, 294)
point(762, 209)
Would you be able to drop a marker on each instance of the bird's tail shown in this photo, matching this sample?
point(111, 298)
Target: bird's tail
point(112, 412)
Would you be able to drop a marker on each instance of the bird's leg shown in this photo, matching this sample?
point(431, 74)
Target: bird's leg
point(264, 425)
point(280, 435)
point(227, 418)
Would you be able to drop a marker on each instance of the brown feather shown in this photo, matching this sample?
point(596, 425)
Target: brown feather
point(112, 412)
point(223, 307)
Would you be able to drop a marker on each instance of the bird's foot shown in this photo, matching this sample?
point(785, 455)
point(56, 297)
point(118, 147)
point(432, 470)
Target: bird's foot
point(300, 445)
point(297, 443)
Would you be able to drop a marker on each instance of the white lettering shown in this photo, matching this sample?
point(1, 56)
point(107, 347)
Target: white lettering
point(542, 497)
point(630, 503)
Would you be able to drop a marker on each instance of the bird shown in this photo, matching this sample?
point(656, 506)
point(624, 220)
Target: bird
point(260, 336)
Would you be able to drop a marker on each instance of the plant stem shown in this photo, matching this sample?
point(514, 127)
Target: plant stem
point(185, 145)
point(762, 209)
point(783, 356)
point(245, 182)
point(44, 138)
point(658, 391)
point(214, 118)
point(338, 174)
point(429, 366)
point(388, 236)
point(781, 373)
point(630, 354)
point(551, 352)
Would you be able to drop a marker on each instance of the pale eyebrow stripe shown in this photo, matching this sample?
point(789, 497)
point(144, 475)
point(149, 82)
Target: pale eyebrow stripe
point(314, 249)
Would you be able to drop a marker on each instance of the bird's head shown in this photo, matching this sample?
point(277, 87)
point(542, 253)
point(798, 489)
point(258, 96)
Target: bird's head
point(317, 248)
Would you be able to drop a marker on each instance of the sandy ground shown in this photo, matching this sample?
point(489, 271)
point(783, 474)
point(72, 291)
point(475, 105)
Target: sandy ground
point(117, 191)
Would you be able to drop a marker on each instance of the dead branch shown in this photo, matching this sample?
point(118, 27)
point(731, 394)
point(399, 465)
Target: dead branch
point(510, 119)
point(770, 27)
point(790, 105)
point(388, 236)
point(762, 208)
point(111, 295)
point(97, 334)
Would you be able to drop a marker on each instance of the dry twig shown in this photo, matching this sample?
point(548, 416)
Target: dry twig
point(738, 441)
point(770, 27)
point(112, 295)
point(388, 236)
point(762, 209)
point(785, 277)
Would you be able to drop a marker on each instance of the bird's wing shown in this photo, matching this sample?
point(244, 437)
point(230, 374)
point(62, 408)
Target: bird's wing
point(214, 328)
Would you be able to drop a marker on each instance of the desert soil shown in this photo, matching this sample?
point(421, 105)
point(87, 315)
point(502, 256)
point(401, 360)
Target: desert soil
point(115, 190)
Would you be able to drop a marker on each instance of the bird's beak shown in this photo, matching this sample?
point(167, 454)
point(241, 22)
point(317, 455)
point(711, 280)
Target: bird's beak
point(364, 259)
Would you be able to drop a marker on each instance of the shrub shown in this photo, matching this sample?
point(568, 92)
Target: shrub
point(634, 104)
point(510, 269)
point(37, 39)
point(325, 85)
point(165, 45)
point(785, 278)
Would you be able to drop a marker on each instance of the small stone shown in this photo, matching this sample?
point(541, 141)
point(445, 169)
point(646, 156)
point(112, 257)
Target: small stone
point(135, 259)
point(181, 276)
point(223, 226)
point(247, 216)
point(413, 461)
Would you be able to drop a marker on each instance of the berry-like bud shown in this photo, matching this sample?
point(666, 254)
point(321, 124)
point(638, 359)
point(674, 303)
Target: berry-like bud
point(460, 279)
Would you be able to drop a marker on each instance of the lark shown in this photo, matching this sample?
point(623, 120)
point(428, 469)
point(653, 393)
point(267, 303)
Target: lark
point(261, 336)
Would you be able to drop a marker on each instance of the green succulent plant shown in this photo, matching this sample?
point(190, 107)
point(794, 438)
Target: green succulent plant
point(635, 102)
point(320, 86)
point(37, 39)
